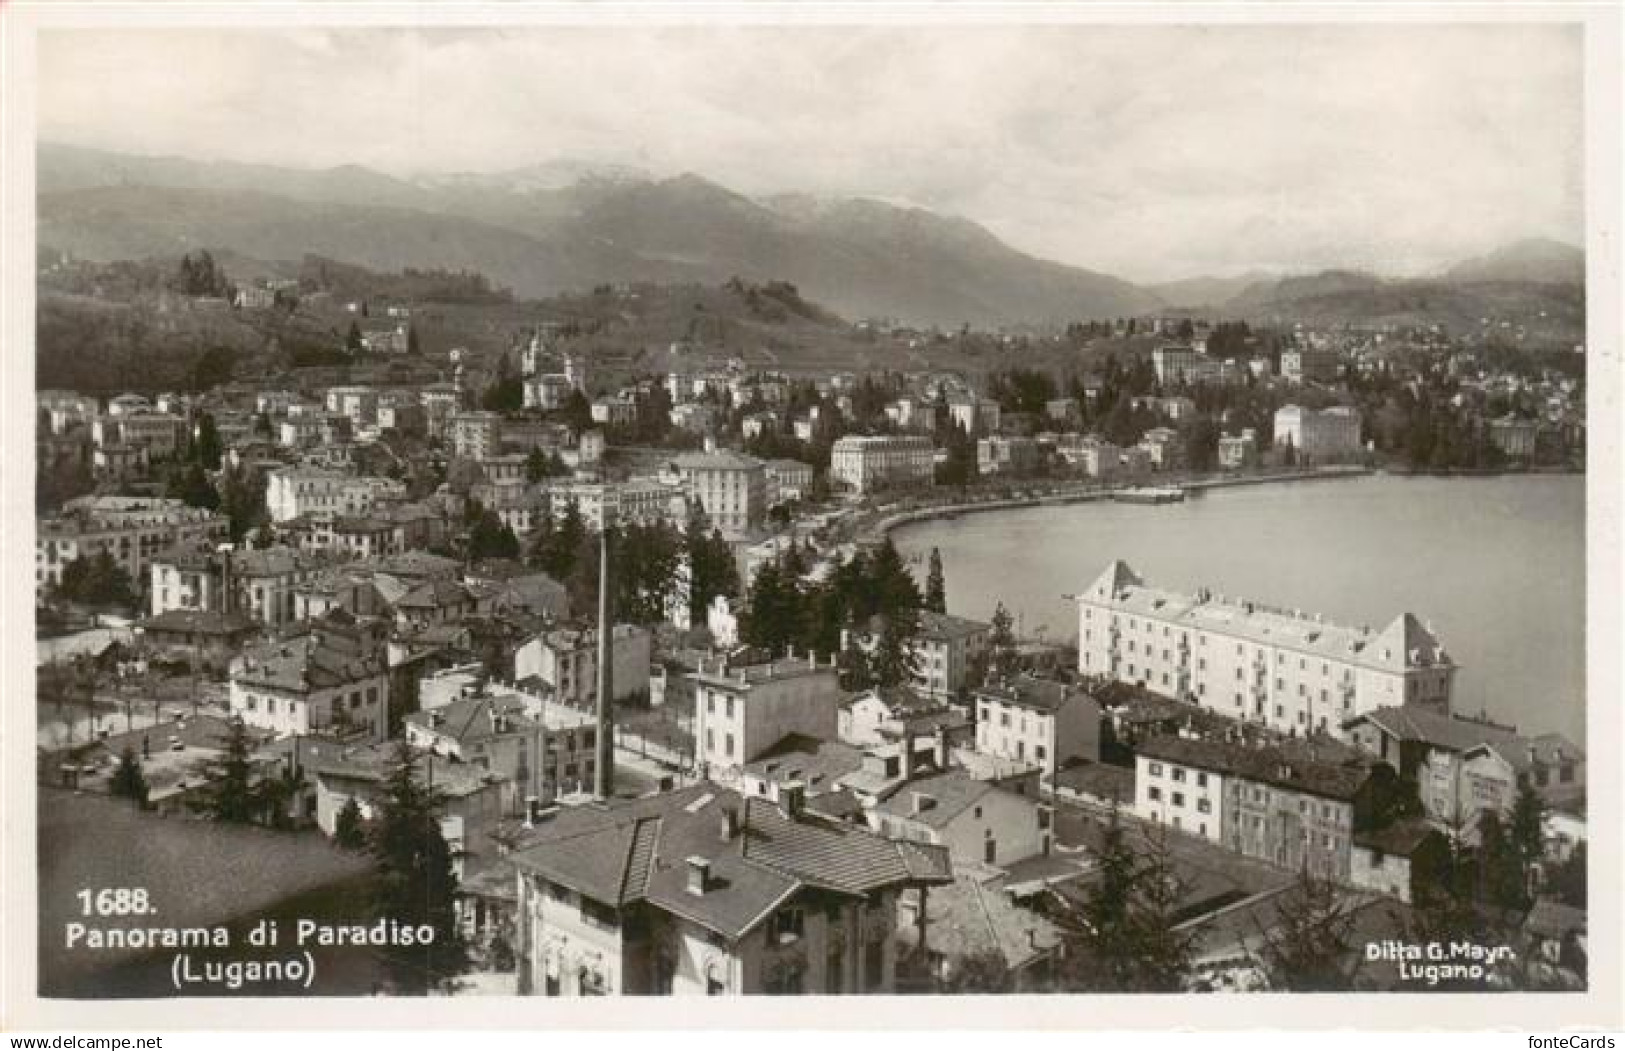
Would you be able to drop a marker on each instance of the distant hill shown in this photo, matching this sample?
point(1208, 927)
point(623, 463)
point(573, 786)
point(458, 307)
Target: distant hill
point(862, 258)
point(1535, 260)
point(1199, 293)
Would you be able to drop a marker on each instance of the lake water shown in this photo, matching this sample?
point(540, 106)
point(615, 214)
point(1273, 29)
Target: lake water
point(1496, 565)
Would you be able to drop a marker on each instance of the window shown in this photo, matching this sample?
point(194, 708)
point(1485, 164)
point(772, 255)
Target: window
point(1179, 799)
point(1203, 806)
point(1153, 793)
point(1155, 769)
point(786, 926)
point(728, 746)
point(1201, 779)
point(1179, 773)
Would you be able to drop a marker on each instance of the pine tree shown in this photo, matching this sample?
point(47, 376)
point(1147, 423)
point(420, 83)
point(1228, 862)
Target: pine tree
point(1001, 645)
point(232, 797)
point(936, 588)
point(128, 780)
point(349, 830)
point(852, 667)
point(1308, 948)
point(415, 882)
point(1526, 831)
point(895, 661)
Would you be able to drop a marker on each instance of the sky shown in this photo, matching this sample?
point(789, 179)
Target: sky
point(1149, 152)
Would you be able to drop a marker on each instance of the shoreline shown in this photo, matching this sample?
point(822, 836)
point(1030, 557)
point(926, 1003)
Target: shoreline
point(884, 526)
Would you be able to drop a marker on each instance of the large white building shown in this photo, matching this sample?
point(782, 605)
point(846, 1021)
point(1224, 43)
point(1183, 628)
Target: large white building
point(312, 684)
point(1319, 436)
point(1288, 670)
point(882, 461)
point(730, 486)
point(298, 491)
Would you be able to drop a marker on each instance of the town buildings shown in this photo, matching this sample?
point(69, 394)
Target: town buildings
point(739, 712)
point(946, 649)
point(566, 661)
point(297, 491)
point(1038, 723)
point(131, 530)
point(1288, 670)
point(979, 822)
point(318, 682)
point(730, 486)
point(1319, 436)
point(870, 463)
point(702, 892)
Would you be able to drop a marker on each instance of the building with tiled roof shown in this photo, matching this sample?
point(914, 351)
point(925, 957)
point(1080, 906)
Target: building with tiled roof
point(705, 892)
point(1426, 746)
point(974, 919)
point(545, 749)
point(1038, 722)
point(730, 486)
point(1293, 803)
point(1285, 669)
point(1493, 773)
point(741, 710)
point(980, 823)
point(319, 682)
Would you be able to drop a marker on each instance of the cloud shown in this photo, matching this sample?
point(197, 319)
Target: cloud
point(1152, 152)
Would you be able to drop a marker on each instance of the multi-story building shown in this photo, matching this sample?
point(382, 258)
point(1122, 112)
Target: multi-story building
point(476, 435)
point(1238, 451)
point(1008, 456)
point(258, 584)
point(161, 434)
point(973, 415)
point(1037, 723)
point(1319, 436)
point(787, 480)
point(131, 530)
point(978, 822)
point(1175, 363)
point(878, 462)
point(566, 660)
point(359, 403)
point(615, 412)
point(1426, 746)
point(740, 712)
point(946, 647)
point(1162, 446)
point(1494, 772)
point(1310, 366)
point(320, 682)
point(704, 892)
point(545, 749)
point(731, 487)
point(1285, 669)
point(1286, 804)
point(297, 491)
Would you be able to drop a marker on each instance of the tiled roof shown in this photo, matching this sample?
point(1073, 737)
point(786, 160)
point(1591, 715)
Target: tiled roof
point(305, 662)
point(1429, 726)
point(950, 794)
point(720, 460)
point(1402, 838)
point(201, 622)
point(1041, 695)
point(1320, 769)
point(934, 625)
point(471, 719)
point(638, 850)
point(1525, 753)
point(1404, 643)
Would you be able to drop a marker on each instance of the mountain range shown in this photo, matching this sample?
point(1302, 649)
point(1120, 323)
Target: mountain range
point(564, 227)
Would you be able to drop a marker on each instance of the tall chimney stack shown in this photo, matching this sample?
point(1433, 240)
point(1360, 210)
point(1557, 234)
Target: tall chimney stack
point(604, 768)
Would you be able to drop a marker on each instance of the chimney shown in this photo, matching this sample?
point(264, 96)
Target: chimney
point(699, 875)
point(729, 824)
point(792, 798)
point(908, 755)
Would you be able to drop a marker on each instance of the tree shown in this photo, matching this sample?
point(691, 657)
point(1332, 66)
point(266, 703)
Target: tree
point(895, 662)
point(129, 782)
point(1308, 947)
point(232, 797)
point(1526, 832)
point(206, 445)
point(852, 667)
point(349, 830)
point(190, 484)
point(491, 538)
point(1001, 645)
point(415, 883)
point(1121, 937)
point(541, 465)
point(352, 341)
point(936, 588)
point(96, 580)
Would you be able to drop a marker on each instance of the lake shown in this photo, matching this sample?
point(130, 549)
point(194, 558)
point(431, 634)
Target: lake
point(1496, 566)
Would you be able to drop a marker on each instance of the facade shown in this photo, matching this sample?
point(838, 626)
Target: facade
point(313, 683)
point(161, 434)
point(878, 462)
point(1238, 451)
point(946, 647)
point(258, 584)
point(740, 712)
point(132, 530)
point(1284, 669)
point(1175, 364)
point(1016, 457)
point(979, 823)
point(476, 435)
point(545, 750)
point(731, 487)
point(1427, 747)
point(1319, 436)
point(1493, 773)
point(1310, 366)
point(298, 491)
point(566, 659)
point(1287, 804)
point(787, 480)
point(1037, 723)
point(704, 893)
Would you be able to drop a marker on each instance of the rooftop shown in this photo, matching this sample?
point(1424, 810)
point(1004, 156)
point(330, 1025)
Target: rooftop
point(641, 850)
point(1317, 768)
